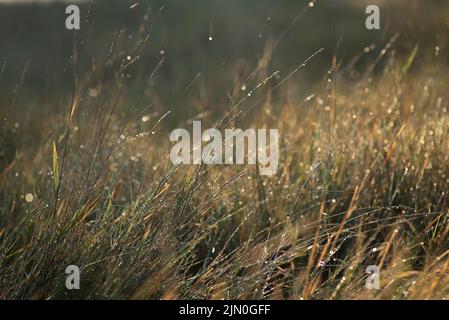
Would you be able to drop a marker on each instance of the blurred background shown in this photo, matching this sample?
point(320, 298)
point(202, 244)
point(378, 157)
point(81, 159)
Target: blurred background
point(204, 42)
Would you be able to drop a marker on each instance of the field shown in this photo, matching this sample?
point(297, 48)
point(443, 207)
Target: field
point(363, 175)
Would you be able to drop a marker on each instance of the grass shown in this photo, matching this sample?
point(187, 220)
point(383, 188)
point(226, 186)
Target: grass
point(362, 181)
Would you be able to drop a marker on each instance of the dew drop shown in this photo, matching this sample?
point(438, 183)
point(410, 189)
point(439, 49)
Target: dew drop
point(29, 197)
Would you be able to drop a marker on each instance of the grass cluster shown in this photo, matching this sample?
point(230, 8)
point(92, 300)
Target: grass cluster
point(362, 181)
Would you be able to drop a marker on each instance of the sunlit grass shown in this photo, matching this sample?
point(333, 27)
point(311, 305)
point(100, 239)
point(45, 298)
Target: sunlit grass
point(362, 181)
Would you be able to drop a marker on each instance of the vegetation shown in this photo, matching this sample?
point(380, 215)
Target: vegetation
point(86, 180)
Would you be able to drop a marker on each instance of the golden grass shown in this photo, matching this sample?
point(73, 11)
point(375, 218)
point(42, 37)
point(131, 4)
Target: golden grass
point(362, 181)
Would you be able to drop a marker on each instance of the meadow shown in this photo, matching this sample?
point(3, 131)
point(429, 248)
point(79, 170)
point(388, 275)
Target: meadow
point(86, 179)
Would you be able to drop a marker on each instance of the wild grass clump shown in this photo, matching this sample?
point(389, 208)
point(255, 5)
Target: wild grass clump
point(362, 181)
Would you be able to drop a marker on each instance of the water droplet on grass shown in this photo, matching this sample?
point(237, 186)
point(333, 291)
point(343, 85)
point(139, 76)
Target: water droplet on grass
point(29, 197)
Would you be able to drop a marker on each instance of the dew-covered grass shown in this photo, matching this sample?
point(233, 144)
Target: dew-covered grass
point(362, 180)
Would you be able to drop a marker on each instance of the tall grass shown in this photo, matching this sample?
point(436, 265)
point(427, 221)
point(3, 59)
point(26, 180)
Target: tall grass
point(362, 181)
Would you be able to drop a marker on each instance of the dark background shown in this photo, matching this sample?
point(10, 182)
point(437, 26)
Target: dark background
point(33, 38)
